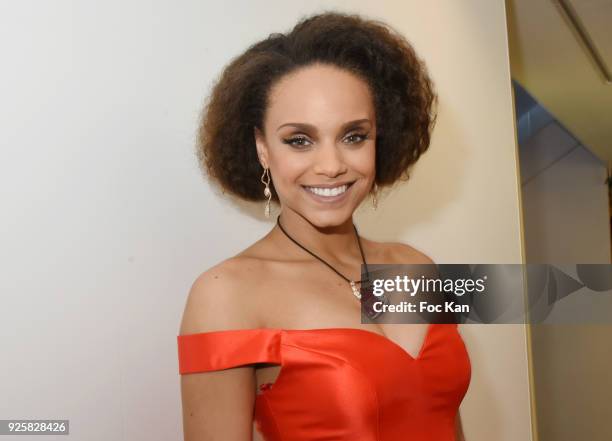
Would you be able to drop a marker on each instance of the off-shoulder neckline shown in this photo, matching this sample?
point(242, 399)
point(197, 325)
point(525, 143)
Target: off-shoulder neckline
point(382, 337)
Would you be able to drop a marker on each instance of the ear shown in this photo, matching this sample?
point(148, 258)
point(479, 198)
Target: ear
point(262, 148)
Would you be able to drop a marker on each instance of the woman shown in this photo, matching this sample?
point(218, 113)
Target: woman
point(315, 120)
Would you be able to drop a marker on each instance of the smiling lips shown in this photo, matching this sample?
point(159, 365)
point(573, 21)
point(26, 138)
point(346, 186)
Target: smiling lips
point(328, 191)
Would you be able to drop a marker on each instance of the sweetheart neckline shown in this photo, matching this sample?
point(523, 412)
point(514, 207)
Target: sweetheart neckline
point(310, 330)
point(376, 334)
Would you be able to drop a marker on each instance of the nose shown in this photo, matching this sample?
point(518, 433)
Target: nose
point(329, 160)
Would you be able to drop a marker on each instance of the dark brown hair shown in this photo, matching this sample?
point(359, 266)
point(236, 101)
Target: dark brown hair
point(403, 94)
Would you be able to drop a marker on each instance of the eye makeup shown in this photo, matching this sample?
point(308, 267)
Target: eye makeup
point(299, 140)
point(360, 137)
point(295, 141)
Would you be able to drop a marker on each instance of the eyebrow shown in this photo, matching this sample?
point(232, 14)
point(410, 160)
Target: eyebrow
point(304, 126)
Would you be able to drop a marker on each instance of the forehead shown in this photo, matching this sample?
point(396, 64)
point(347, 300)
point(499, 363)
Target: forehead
point(322, 95)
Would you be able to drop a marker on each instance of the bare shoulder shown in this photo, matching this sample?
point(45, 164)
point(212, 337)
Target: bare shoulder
point(394, 253)
point(398, 253)
point(218, 404)
point(405, 254)
point(219, 297)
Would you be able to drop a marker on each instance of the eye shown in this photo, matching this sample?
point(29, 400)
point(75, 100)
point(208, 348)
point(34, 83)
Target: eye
point(356, 138)
point(296, 141)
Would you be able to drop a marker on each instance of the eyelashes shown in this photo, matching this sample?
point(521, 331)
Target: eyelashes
point(300, 140)
point(360, 137)
point(297, 141)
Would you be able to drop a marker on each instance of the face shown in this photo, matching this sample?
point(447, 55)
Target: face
point(319, 143)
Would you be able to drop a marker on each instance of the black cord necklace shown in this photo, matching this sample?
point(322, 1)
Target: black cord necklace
point(351, 282)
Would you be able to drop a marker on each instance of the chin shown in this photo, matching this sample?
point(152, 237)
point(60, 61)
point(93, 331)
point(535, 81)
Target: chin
point(328, 218)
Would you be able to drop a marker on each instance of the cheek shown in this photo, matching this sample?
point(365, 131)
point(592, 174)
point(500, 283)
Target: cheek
point(289, 168)
point(363, 160)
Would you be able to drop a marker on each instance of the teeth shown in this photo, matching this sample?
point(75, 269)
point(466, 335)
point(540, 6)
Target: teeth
point(328, 191)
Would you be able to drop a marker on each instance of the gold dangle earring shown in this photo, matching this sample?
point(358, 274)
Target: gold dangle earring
point(374, 196)
point(267, 192)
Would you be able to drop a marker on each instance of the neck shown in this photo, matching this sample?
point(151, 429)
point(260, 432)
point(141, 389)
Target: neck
point(338, 242)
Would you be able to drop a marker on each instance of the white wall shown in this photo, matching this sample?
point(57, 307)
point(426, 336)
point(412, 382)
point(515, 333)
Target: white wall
point(106, 220)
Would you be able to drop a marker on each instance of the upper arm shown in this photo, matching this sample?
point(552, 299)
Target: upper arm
point(217, 405)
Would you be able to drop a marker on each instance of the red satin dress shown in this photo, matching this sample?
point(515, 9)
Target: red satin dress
point(343, 383)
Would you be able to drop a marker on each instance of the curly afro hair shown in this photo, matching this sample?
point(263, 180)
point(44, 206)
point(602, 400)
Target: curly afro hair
point(404, 97)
